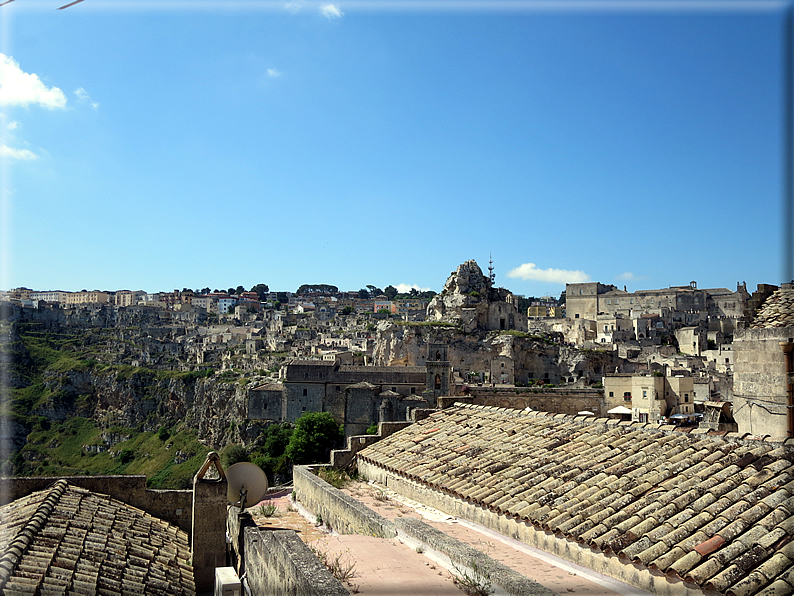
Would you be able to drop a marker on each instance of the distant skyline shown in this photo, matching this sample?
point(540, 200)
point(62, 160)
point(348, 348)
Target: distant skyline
point(176, 144)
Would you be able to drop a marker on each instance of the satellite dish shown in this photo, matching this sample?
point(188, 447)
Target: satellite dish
point(247, 484)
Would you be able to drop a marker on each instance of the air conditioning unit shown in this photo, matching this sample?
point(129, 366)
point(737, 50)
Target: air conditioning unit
point(226, 582)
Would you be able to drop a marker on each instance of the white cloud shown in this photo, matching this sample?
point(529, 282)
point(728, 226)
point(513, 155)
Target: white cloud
point(628, 276)
point(272, 72)
point(331, 11)
point(82, 96)
point(529, 271)
point(19, 88)
point(6, 151)
point(294, 6)
point(405, 288)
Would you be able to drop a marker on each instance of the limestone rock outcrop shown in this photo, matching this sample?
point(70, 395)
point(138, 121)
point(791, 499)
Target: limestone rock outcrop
point(470, 302)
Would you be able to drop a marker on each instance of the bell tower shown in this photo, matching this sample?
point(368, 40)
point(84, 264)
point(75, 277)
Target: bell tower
point(439, 371)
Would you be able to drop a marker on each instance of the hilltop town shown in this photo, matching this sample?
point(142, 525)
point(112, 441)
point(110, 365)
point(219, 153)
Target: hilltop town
point(664, 355)
point(643, 434)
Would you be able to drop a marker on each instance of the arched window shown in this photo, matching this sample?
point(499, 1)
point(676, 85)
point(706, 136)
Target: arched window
point(438, 355)
point(438, 381)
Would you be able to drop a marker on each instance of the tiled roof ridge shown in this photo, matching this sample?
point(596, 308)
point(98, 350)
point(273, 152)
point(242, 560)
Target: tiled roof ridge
point(17, 547)
point(648, 427)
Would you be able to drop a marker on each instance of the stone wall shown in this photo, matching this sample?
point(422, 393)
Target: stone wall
point(277, 561)
point(322, 499)
point(559, 401)
point(173, 506)
point(759, 381)
point(337, 510)
point(208, 542)
point(341, 458)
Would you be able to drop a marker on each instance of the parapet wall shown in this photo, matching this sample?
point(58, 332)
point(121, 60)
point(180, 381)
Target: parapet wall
point(347, 516)
point(338, 510)
point(173, 506)
point(277, 561)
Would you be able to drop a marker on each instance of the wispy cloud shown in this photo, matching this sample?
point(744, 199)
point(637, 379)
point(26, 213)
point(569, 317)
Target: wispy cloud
point(294, 6)
point(12, 153)
point(12, 125)
point(405, 288)
point(19, 88)
point(82, 96)
point(628, 276)
point(529, 271)
point(272, 72)
point(331, 11)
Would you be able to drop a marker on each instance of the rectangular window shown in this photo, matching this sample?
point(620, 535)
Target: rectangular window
point(627, 396)
point(686, 398)
point(305, 392)
point(611, 394)
point(644, 393)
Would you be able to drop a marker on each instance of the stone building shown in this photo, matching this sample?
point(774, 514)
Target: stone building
point(650, 397)
point(356, 396)
point(680, 306)
point(762, 353)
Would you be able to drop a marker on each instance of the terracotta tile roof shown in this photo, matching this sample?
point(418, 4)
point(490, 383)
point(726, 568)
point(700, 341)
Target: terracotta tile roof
point(776, 311)
point(715, 512)
point(68, 540)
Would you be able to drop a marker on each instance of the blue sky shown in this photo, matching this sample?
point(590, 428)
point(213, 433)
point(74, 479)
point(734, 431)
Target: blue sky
point(188, 144)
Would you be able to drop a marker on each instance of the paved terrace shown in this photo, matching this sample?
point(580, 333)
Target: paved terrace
point(392, 567)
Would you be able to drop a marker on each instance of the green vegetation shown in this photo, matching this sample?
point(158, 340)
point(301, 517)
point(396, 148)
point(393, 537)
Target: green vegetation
point(476, 582)
point(373, 429)
point(76, 446)
point(233, 454)
point(516, 333)
point(270, 454)
point(336, 478)
point(316, 434)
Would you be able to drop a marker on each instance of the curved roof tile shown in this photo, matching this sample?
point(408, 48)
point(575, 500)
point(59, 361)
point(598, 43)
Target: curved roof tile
point(710, 509)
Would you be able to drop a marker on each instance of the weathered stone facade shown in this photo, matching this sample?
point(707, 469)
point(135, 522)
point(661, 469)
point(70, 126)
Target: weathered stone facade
point(356, 396)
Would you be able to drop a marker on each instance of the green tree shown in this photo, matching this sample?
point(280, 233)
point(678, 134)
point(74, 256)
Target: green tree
point(316, 433)
point(363, 294)
point(277, 438)
point(239, 290)
point(390, 292)
point(261, 290)
point(348, 310)
point(233, 454)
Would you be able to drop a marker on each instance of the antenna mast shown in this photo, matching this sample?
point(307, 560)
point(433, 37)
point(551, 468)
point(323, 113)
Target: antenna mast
point(491, 274)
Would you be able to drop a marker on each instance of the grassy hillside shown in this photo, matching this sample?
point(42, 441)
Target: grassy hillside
point(66, 448)
point(77, 445)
